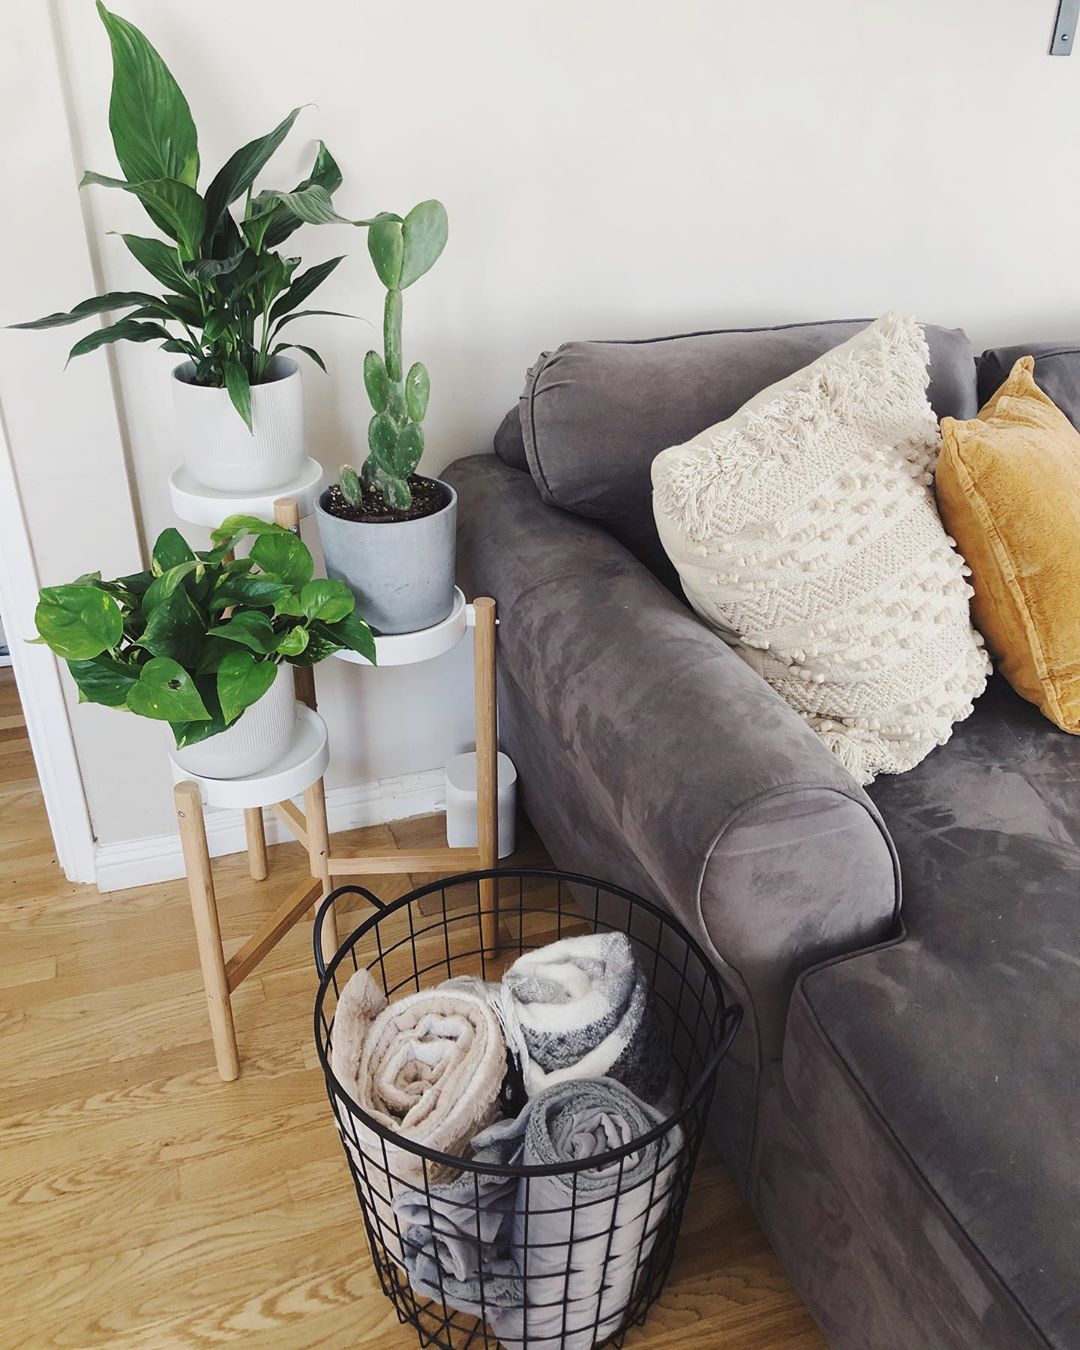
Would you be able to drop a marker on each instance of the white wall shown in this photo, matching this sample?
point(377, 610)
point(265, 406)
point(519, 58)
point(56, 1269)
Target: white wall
point(610, 168)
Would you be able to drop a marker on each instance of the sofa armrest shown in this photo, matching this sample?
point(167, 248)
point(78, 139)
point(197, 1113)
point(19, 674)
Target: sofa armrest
point(746, 825)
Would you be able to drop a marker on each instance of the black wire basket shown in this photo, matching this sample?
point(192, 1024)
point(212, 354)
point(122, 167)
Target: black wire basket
point(588, 1243)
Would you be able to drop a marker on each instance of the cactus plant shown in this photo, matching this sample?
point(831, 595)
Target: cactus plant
point(402, 250)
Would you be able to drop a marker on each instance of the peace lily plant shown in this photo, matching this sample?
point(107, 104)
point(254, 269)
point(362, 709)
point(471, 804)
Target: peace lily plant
point(200, 637)
point(229, 292)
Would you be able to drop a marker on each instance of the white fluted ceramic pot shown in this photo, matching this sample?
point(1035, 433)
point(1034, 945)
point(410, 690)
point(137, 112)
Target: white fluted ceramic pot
point(255, 740)
point(217, 448)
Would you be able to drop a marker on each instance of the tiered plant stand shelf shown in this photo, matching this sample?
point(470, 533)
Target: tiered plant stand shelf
point(200, 505)
point(300, 770)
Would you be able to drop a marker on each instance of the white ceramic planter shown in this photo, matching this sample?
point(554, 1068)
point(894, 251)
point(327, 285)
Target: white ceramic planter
point(215, 444)
point(254, 741)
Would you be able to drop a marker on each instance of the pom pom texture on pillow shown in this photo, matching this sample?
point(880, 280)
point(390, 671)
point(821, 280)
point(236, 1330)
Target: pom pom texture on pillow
point(804, 530)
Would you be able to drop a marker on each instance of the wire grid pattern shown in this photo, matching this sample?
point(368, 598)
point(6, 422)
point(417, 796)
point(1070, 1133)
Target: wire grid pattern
point(613, 1245)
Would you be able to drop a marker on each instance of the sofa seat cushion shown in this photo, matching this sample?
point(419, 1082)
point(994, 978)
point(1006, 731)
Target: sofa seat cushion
point(593, 415)
point(945, 1066)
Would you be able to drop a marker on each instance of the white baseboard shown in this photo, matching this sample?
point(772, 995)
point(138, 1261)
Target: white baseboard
point(157, 857)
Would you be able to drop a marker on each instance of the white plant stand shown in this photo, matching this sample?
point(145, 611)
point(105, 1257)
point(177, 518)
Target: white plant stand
point(199, 505)
point(299, 770)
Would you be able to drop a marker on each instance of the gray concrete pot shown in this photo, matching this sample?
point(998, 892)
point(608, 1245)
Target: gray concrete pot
point(401, 572)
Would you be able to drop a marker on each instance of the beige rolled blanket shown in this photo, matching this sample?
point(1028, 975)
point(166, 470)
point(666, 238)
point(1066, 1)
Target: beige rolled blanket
point(428, 1066)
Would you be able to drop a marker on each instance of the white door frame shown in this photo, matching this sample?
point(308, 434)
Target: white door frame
point(38, 679)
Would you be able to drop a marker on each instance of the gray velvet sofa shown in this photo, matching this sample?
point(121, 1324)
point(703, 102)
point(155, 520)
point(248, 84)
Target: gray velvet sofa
point(902, 1105)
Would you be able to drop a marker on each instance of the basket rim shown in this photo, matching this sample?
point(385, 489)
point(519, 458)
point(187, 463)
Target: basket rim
point(730, 1015)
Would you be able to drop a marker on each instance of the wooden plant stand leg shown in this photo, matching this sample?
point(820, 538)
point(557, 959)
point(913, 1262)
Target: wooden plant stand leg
point(318, 845)
point(255, 834)
point(487, 766)
point(207, 931)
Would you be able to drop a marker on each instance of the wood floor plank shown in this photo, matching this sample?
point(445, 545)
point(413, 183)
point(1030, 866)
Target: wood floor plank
point(146, 1204)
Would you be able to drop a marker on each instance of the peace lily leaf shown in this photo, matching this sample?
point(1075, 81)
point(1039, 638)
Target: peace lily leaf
point(281, 222)
point(152, 129)
point(327, 600)
point(170, 550)
point(175, 629)
point(311, 204)
point(103, 680)
point(166, 692)
point(236, 382)
point(307, 314)
point(293, 642)
point(299, 347)
point(302, 286)
point(242, 681)
point(78, 622)
point(251, 628)
point(99, 304)
point(283, 555)
point(175, 207)
point(125, 330)
point(160, 260)
point(208, 269)
point(240, 170)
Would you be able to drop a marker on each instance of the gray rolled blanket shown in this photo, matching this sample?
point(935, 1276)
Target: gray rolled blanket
point(550, 1261)
point(582, 1008)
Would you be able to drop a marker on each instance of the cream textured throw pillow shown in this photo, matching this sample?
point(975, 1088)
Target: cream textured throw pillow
point(805, 531)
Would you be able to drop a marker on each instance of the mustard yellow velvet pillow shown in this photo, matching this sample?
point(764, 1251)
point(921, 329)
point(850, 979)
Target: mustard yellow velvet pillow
point(1008, 487)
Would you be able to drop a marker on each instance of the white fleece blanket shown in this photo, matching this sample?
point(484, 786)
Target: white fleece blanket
point(582, 1008)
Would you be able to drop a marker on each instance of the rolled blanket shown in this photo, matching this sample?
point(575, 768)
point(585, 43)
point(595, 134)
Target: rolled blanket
point(582, 1008)
point(553, 1258)
point(428, 1066)
point(456, 1238)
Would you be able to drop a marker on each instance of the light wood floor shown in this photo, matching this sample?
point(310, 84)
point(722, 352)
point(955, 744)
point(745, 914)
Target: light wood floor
point(145, 1203)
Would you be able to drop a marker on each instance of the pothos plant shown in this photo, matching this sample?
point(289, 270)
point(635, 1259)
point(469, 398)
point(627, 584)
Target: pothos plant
point(199, 637)
point(402, 250)
point(229, 292)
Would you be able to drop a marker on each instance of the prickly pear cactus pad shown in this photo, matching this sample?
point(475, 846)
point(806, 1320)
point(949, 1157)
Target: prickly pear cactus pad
point(401, 250)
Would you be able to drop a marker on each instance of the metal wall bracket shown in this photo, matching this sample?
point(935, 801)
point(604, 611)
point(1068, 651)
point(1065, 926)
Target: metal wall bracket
point(1068, 14)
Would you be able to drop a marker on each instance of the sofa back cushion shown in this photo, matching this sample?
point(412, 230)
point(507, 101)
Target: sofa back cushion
point(593, 415)
point(1057, 373)
point(507, 442)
